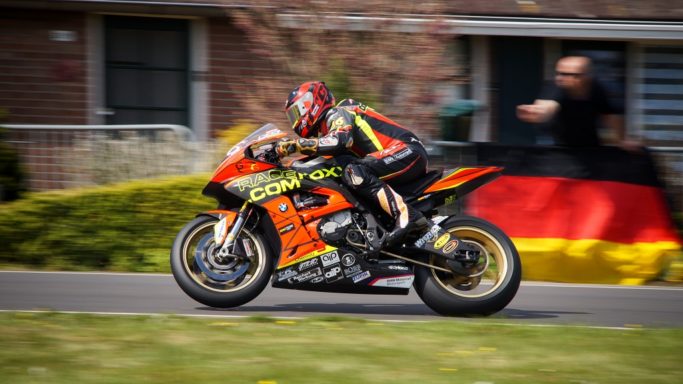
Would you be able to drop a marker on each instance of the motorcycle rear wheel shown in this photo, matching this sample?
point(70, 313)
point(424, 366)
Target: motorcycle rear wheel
point(214, 282)
point(475, 290)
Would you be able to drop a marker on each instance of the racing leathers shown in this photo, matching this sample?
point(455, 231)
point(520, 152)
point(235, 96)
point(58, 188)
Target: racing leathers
point(385, 153)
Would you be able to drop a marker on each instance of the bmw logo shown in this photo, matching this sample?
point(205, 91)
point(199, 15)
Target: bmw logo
point(283, 207)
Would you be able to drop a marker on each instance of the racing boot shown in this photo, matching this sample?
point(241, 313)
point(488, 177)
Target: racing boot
point(432, 238)
point(407, 218)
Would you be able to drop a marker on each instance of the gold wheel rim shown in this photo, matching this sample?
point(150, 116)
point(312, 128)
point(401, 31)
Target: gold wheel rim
point(250, 275)
point(492, 277)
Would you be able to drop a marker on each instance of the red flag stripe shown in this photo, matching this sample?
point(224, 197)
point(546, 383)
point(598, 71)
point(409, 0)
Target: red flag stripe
point(550, 207)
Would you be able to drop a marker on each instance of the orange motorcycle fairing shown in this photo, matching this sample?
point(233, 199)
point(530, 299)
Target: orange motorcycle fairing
point(228, 171)
point(299, 241)
point(335, 202)
point(469, 177)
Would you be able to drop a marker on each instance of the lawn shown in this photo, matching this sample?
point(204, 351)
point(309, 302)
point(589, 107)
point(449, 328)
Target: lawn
point(70, 348)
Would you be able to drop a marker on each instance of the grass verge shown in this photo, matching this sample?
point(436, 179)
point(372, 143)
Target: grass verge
point(68, 348)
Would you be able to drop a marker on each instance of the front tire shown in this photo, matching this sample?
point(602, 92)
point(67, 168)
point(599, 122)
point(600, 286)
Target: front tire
point(218, 282)
point(480, 289)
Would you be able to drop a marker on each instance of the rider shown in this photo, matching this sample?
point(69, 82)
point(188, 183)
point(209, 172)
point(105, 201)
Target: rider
point(384, 151)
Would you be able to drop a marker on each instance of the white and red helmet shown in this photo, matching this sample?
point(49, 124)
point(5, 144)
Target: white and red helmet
point(306, 105)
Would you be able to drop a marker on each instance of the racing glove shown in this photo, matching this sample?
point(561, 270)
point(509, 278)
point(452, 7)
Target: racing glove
point(285, 147)
point(307, 146)
point(303, 146)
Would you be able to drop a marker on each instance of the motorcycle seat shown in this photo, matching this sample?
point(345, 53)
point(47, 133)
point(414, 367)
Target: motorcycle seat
point(415, 188)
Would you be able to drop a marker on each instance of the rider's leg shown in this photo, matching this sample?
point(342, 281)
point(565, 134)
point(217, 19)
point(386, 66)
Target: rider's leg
point(400, 164)
point(366, 184)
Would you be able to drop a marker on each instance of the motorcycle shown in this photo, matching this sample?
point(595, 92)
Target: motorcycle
point(298, 227)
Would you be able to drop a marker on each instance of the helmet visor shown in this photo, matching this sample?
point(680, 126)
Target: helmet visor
point(293, 114)
point(299, 108)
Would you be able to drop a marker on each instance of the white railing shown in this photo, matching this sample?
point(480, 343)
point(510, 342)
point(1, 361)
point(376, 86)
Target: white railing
point(64, 156)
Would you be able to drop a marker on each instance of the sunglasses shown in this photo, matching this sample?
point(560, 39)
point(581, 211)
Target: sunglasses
point(569, 74)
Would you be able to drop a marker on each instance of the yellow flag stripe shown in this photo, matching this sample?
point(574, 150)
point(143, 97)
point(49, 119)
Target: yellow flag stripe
point(594, 261)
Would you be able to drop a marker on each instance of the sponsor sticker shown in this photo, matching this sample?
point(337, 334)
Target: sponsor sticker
point(348, 272)
point(328, 141)
point(317, 280)
point(330, 258)
point(403, 154)
point(348, 260)
point(441, 241)
point(361, 276)
point(388, 160)
point(333, 274)
point(308, 264)
point(340, 122)
point(286, 228)
point(405, 281)
point(399, 267)
point(286, 274)
point(450, 246)
point(429, 236)
point(305, 276)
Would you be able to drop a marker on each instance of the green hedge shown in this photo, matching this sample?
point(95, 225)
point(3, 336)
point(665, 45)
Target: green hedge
point(123, 227)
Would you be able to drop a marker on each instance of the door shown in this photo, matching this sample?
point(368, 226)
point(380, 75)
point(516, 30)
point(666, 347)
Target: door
point(146, 70)
point(517, 75)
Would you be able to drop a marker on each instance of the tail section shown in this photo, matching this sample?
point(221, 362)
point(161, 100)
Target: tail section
point(462, 181)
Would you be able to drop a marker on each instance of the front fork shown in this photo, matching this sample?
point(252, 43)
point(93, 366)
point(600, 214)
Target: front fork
point(227, 239)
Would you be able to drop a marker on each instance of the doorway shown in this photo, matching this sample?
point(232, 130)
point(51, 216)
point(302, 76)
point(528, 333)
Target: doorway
point(518, 78)
point(146, 70)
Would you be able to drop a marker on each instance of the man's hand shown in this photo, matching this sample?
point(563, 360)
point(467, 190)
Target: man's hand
point(633, 146)
point(538, 112)
point(285, 147)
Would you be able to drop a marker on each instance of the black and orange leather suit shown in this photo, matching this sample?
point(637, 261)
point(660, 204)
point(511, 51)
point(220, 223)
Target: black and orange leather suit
point(385, 152)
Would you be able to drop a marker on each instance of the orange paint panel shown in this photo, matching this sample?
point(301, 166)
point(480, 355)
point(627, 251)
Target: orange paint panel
point(296, 242)
point(461, 176)
point(228, 171)
point(223, 212)
point(300, 252)
point(335, 202)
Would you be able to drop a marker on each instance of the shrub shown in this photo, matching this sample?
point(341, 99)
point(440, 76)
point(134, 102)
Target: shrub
point(122, 227)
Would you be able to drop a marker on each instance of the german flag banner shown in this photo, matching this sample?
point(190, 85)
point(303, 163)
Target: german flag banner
point(589, 215)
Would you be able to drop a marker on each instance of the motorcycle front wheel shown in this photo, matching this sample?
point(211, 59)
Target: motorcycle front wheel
point(221, 282)
point(477, 288)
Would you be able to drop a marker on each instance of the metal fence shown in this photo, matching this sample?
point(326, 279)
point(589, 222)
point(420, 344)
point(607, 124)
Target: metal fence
point(65, 156)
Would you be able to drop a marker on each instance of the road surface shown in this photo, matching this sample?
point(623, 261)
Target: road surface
point(535, 303)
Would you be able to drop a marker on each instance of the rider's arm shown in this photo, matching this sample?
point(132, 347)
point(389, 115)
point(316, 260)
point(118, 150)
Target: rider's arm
point(337, 141)
point(340, 136)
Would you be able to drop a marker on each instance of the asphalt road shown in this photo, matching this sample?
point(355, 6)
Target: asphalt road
point(536, 303)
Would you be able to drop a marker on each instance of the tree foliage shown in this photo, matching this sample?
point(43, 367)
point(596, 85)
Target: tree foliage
point(380, 60)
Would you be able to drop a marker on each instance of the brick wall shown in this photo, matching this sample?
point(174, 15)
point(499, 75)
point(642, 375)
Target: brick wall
point(233, 72)
point(42, 81)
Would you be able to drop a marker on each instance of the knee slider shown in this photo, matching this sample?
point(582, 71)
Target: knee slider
point(356, 176)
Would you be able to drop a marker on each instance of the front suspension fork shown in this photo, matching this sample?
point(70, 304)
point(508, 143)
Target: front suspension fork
point(242, 217)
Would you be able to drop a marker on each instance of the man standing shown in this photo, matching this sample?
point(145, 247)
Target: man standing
point(576, 107)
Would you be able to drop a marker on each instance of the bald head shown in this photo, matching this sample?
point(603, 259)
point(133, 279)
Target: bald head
point(572, 73)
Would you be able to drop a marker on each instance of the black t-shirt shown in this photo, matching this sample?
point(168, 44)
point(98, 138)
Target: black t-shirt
point(577, 121)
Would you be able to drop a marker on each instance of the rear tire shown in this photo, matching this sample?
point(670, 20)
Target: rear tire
point(464, 294)
point(221, 284)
